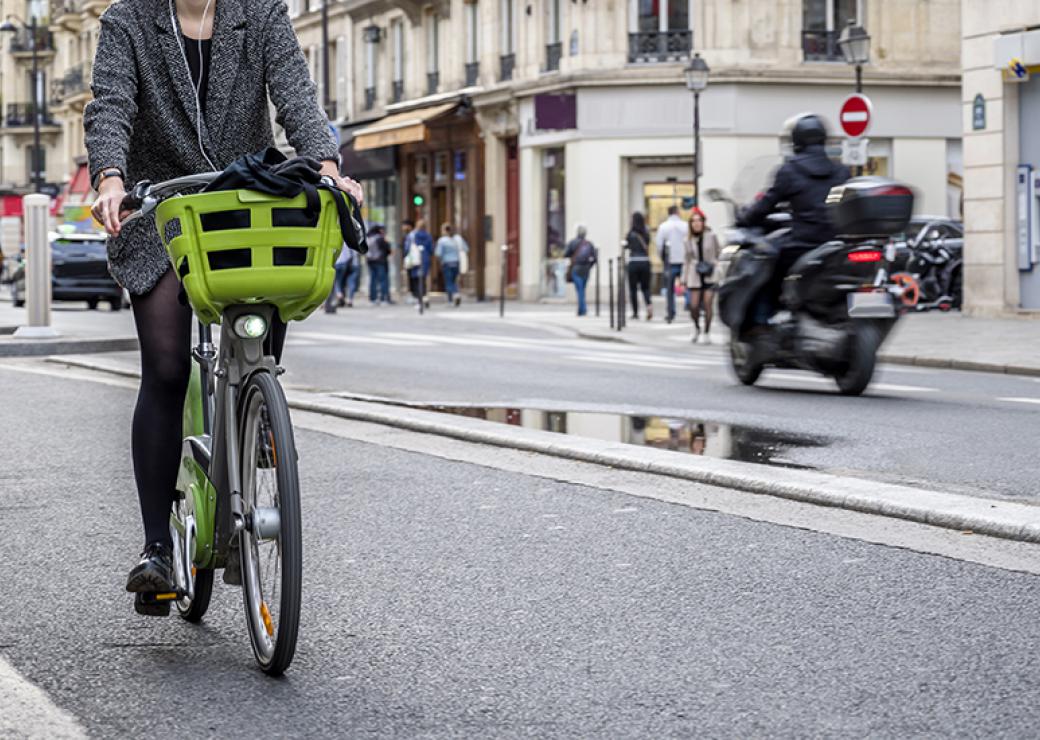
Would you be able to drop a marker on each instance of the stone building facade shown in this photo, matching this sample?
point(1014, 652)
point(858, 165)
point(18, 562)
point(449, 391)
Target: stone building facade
point(1000, 107)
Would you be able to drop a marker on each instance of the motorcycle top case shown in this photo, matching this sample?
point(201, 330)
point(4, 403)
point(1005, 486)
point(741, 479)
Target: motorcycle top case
point(870, 206)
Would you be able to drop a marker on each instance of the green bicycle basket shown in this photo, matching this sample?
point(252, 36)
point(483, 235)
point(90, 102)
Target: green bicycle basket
point(241, 246)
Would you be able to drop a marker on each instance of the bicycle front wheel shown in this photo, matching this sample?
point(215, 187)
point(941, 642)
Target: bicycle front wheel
point(270, 545)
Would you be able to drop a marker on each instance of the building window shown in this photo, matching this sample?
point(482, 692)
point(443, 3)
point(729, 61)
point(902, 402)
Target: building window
point(822, 21)
point(433, 53)
point(397, 42)
point(659, 30)
point(507, 59)
point(472, 51)
point(553, 47)
point(372, 35)
point(342, 81)
point(42, 164)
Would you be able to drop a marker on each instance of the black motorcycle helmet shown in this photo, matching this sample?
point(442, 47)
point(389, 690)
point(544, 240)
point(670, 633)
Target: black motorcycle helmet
point(805, 130)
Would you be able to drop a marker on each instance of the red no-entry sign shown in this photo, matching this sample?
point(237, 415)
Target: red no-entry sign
point(855, 115)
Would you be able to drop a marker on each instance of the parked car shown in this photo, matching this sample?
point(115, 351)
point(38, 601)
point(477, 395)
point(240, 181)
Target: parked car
point(79, 272)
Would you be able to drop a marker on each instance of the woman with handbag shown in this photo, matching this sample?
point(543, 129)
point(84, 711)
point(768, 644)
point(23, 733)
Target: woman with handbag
point(702, 259)
point(637, 243)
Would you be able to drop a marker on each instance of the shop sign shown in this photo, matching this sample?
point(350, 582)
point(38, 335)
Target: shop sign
point(978, 113)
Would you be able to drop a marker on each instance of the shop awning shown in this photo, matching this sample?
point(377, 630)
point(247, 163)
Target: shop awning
point(400, 128)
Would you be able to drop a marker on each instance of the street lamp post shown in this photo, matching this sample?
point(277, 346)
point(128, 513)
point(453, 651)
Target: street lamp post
point(854, 43)
point(696, 81)
point(9, 27)
point(325, 57)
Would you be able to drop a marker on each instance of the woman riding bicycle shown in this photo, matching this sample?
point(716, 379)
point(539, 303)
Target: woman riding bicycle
point(181, 87)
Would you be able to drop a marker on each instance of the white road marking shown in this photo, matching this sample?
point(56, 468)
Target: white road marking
point(1020, 400)
point(360, 339)
point(892, 387)
point(29, 713)
point(635, 362)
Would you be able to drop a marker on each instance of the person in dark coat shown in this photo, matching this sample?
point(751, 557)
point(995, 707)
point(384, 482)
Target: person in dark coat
point(638, 245)
point(583, 255)
point(803, 181)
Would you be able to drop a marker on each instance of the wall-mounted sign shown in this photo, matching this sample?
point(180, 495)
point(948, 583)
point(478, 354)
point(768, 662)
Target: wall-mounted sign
point(978, 113)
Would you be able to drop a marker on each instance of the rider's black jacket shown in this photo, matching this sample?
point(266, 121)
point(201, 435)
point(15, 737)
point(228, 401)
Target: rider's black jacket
point(803, 181)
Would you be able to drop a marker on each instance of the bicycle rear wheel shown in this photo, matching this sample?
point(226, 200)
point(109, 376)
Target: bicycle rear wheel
point(270, 545)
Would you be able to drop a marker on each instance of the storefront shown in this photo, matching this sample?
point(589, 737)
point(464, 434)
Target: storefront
point(440, 171)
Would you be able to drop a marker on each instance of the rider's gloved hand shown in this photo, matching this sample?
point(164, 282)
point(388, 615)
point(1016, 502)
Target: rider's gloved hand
point(106, 208)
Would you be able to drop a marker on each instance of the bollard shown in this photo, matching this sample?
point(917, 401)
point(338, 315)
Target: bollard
point(622, 284)
point(597, 287)
point(502, 289)
point(36, 210)
point(610, 289)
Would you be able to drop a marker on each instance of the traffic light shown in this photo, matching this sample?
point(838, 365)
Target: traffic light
point(418, 200)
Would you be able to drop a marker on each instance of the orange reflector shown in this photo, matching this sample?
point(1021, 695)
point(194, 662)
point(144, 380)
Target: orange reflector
point(165, 597)
point(266, 615)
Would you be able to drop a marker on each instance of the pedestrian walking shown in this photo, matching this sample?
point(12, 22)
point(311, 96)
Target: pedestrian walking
point(344, 286)
point(378, 259)
point(418, 261)
point(699, 269)
point(449, 251)
point(671, 244)
point(638, 245)
point(583, 256)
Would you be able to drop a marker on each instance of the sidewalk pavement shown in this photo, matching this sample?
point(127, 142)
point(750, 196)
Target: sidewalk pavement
point(950, 340)
point(81, 331)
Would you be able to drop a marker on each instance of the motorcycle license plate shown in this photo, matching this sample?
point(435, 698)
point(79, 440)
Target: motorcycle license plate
point(873, 305)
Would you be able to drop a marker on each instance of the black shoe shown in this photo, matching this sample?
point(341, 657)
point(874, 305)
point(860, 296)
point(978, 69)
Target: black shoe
point(154, 574)
point(147, 605)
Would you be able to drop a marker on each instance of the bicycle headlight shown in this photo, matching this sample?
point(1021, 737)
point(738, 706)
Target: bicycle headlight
point(250, 326)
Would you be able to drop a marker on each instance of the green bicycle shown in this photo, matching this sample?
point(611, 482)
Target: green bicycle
point(238, 489)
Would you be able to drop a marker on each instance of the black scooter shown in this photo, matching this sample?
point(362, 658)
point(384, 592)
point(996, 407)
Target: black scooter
point(838, 302)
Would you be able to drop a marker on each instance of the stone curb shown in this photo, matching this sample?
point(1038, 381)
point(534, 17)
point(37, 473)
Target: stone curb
point(892, 359)
point(42, 347)
point(996, 518)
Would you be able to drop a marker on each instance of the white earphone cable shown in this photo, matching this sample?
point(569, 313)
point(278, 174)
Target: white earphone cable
point(196, 86)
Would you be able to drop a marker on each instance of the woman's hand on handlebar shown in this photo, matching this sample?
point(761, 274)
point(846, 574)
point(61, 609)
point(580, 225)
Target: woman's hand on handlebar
point(106, 208)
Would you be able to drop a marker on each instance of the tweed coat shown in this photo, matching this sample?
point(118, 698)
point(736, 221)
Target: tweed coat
point(142, 117)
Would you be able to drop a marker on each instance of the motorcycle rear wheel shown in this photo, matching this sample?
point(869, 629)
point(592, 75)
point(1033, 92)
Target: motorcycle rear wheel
point(863, 347)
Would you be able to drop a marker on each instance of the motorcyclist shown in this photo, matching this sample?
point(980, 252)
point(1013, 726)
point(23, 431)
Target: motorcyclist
point(803, 182)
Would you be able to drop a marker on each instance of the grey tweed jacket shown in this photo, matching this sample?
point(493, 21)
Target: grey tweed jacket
point(142, 117)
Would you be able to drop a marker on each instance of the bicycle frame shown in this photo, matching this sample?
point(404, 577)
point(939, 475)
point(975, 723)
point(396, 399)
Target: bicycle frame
point(210, 454)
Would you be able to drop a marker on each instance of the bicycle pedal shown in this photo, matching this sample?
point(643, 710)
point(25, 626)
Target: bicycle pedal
point(151, 605)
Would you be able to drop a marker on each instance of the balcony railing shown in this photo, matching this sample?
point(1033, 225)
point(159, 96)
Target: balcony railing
point(472, 73)
point(397, 91)
point(433, 81)
point(75, 81)
point(64, 7)
point(370, 98)
point(553, 52)
point(22, 114)
point(821, 46)
point(22, 42)
point(506, 64)
point(659, 46)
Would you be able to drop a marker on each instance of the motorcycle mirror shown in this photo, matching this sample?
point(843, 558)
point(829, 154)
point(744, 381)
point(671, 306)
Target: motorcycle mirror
point(715, 195)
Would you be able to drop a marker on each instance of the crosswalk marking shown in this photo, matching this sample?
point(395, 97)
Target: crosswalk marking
point(359, 339)
point(634, 362)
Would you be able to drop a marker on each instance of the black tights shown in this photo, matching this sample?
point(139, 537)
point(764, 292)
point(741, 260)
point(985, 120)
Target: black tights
point(164, 332)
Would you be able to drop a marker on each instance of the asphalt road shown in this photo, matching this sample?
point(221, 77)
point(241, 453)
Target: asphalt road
point(957, 431)
point(445, 599)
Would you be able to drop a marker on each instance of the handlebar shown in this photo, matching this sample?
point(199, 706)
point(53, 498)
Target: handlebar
point(145, 196)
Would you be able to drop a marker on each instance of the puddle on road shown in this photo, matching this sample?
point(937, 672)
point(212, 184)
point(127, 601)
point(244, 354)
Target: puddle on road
point(692, 436)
